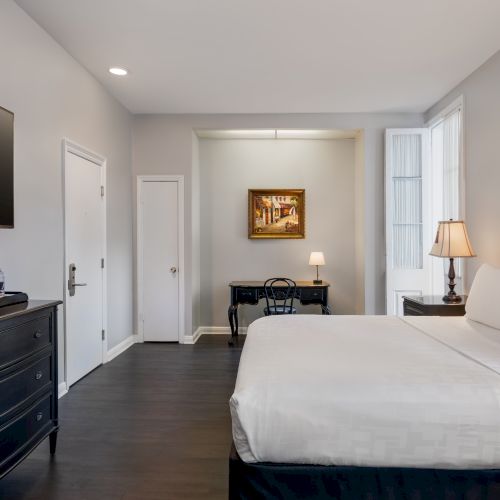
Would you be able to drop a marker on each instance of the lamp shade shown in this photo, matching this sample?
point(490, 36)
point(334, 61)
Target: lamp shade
point(316, 259)
point(452, 240)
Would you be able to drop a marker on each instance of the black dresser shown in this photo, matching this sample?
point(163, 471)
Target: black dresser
point(28, 380)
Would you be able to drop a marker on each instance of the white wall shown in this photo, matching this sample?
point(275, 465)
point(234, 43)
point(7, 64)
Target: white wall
point(53, 97)
point(163, 144)
point(325, 169)
point(481, 91)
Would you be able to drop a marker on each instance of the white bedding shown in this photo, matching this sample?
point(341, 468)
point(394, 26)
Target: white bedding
point(369, 391)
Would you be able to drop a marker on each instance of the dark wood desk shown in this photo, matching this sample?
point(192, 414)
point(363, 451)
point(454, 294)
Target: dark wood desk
point(250, 292)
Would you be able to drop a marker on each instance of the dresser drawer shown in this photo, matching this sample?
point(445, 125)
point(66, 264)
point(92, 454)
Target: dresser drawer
point(24, 338)
point(25, 429)
point(312, 294)
point(247, 295)
point(27, 383)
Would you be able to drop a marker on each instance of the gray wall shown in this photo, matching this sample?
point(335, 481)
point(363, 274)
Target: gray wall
point(325, 169)
point(53, 97)
point(196, 235)
point(359, 220)
point(163, 144)
point(481, 91)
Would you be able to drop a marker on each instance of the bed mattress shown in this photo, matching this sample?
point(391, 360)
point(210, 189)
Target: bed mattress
point(370, 391)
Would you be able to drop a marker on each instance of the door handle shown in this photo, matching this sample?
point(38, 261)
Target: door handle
point(72, 280)
point(173, 270)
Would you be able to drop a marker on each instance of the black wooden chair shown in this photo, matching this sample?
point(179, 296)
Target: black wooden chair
point(279, 293)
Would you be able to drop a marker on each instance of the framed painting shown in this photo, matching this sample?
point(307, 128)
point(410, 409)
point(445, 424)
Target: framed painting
point(276, 213)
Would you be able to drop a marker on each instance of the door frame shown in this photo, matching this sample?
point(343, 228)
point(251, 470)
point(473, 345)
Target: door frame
point(71, 147)
point(141, 179)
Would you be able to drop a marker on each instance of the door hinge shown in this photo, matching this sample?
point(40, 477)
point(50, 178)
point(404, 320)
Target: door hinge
point(102, 263)
point(102, 191)
point(103, 334)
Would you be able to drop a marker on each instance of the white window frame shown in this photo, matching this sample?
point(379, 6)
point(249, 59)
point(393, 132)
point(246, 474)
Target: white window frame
point(453, 107)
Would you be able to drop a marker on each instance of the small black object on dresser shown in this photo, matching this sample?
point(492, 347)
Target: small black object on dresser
point(11, 298)
point(28, 380)
point(433, 305)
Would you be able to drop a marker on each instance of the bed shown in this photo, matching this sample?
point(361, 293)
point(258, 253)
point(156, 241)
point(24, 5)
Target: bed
point(355, 407)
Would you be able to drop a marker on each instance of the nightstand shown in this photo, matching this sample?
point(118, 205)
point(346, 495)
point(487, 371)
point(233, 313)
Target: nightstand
point(432, 305)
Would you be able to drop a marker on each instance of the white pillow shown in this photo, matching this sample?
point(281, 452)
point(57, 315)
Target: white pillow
point(483, 304)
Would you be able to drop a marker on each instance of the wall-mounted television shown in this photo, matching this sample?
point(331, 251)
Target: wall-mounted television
point(6, 168)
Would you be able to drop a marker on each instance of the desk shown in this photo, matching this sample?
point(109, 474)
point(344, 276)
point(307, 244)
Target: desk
point(250, 292)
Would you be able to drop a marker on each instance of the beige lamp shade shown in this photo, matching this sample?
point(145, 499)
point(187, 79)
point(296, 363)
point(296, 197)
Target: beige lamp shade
point(316, 259)
point(452, 240)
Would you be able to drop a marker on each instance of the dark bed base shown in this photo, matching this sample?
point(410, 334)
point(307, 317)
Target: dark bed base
point(290, 482)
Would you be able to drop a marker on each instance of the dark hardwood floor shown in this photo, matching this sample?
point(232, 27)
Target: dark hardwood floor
point(152, 424)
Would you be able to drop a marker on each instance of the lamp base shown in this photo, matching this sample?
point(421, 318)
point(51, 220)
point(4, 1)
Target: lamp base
point(452, 299)
point(317, 282)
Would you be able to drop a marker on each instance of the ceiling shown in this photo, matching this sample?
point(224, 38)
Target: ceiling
point(326, 134)
point(275, 56)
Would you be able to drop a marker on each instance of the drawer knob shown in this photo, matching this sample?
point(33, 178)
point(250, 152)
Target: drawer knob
point(38, 375)
point(37, 334)
point(39, 416)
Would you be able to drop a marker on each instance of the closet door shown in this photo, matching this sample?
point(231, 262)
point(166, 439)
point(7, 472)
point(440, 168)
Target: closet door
point(158, 260)
point(408, 216)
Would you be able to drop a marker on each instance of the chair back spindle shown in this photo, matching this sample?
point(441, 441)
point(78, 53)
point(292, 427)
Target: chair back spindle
point(280, 294)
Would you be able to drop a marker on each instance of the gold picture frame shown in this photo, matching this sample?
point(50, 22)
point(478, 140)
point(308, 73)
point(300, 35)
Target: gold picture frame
point(276, 213)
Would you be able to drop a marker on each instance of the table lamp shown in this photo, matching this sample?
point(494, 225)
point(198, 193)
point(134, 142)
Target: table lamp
point(317, 259)
point(452, 242)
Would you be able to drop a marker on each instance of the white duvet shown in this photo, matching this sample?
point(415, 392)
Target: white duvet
point(369, 391)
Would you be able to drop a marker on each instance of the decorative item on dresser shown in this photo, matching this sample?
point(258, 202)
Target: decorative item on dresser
point(433, 305)
point(28, 380)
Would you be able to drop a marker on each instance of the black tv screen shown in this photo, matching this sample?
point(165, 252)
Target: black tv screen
point(6, 168)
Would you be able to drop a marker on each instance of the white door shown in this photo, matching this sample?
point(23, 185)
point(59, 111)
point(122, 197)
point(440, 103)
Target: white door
point(84, 231)
point(159, 255)
point(408, 216)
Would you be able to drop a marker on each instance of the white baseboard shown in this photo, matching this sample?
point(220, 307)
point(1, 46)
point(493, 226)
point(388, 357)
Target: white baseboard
point(211, 330)
point(120, 348)
point(62, 390)
point(192, 339)
point(221, 330)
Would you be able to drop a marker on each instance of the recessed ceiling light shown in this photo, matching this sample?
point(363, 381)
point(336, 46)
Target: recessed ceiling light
point(118, 71)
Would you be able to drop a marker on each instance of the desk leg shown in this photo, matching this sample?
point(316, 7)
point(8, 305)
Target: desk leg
point(325, 309)
point(232, 314)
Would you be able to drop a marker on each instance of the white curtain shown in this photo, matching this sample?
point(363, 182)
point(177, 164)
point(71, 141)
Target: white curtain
point(451, 166)
point(407, 202)
point(446, 150)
